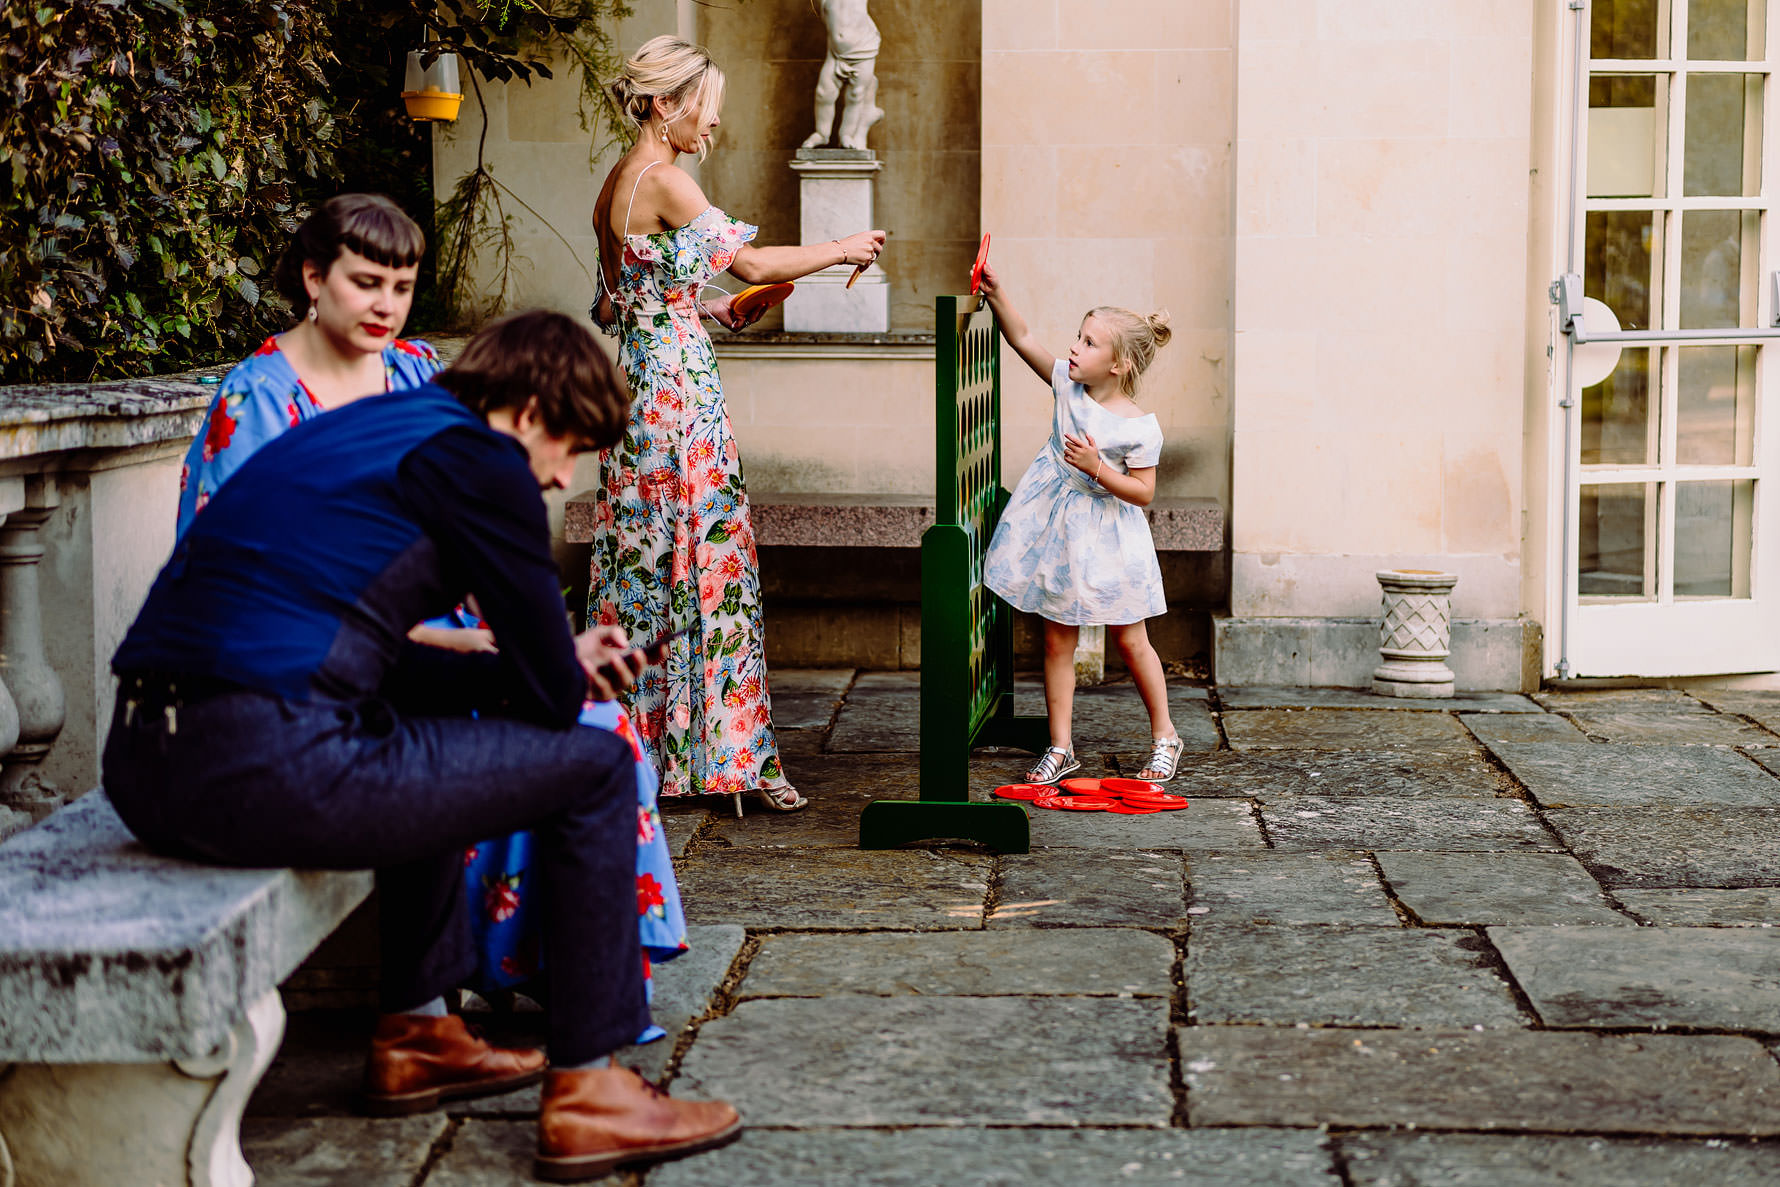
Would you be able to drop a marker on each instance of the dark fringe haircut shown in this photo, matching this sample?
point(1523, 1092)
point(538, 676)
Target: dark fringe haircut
point(551, 356)
point(369, 224)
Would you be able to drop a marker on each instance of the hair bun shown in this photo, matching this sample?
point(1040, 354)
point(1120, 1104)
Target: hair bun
point(1158, 323)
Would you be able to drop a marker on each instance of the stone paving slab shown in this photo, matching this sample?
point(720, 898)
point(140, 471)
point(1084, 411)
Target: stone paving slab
point(1708, 978)
point(1472, 890)
point(1468, 1080)
point(1201, 825)
point(680, 826)
point(1106, 962)
point(1287, 888)
point(1346, 729)
point(1416, 979)
point(1763, 708)
point(491, 1153)
point(836, 889)
point(1010, 1158)
point(1662, 727)
point(832, 682)
point(1672, 847)
point(337, 1151)
point(1111, 719)
point(1080, 889)
point(1376, 822)
point(1393, 773)
point(1589, 699)
point(943, 1061)
point(1521, 727)
point(1755, 907)
point(1502, 1160)
point(1269, 697)
point(883, 712)
point(1769, 760)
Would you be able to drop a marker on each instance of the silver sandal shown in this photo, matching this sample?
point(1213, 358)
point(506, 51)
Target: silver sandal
point(1164, 757)
point(1055, 763)
point(777, 799)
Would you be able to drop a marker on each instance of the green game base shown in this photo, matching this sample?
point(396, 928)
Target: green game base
point(887, 823)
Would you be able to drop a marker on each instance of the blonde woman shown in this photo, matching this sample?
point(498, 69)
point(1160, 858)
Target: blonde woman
point(674, 550)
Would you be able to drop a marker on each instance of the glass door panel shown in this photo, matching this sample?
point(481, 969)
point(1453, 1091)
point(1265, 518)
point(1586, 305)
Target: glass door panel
point(1714, 406)
point(1628, 130)
point(1622, 247)
point(1626, 29)
point(1714, 292)
point(1724, 30)
point(1712, 544)
point(1617, 544)
point(1619, 423)
point(1723, 154)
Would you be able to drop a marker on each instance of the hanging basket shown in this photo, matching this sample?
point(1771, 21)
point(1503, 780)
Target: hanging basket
point(432, 92)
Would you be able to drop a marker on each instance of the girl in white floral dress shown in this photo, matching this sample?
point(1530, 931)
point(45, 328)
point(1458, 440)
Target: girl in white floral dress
point(674, 544)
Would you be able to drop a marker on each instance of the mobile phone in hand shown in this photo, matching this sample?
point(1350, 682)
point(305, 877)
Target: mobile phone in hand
point(654, 652)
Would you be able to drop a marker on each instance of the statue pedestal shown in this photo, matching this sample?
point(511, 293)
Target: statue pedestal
point(835, 185)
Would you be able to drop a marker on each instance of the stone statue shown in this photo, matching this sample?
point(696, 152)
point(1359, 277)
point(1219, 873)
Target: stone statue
point(851, 62)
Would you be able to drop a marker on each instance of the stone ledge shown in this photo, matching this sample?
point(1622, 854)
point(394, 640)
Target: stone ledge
point(897, 521)
point(112, 954)
point(53, 418)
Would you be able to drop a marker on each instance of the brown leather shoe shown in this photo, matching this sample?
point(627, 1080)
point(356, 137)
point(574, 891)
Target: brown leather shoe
point(597, 1119)
point(416, 1062)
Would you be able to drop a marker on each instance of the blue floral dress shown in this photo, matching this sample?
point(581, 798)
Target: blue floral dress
point(674, 542)
point(1066, 548)
point(258, 400)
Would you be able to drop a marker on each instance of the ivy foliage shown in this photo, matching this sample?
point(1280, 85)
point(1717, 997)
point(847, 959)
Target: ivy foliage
point(154, 150)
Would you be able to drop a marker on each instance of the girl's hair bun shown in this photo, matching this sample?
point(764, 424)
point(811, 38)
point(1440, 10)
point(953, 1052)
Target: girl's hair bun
point(1159, 331)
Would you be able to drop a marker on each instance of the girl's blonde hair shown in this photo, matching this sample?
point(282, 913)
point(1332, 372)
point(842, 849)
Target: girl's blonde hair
point(667, 68)
point(1135, 339)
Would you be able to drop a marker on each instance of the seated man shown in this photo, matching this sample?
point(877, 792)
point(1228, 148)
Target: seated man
point(274, 713)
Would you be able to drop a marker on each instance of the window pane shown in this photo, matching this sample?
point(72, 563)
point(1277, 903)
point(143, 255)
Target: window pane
point(1617, 425)
point(1721, 31)
point(1613, 559)
point(1712, 521)
point(1624, 29)
point(1627, 126)
point(1616, 269)
point(1715, 412)
point(1722, 159)
point(1712, 268)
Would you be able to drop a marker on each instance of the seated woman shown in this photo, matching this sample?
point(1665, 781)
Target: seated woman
point(352, 267)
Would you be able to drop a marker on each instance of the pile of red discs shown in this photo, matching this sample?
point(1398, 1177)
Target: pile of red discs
point(1123, 797)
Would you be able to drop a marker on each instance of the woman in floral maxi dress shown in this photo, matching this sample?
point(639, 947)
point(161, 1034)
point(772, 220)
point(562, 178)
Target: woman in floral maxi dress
point(674, 542)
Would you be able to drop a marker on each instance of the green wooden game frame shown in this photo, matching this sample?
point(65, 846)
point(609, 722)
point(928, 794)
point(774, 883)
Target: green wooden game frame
point(967, 633)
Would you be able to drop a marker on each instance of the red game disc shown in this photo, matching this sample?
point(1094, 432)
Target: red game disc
point(1081, 786)
point(1171, 804)
point(976, 269)
point(1115, 783)
point(1132, 810)
point(1023, 791)
point(1082, 803)
point(1047, 801)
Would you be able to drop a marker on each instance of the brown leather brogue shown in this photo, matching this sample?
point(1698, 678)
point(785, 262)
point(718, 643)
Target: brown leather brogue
point(597, 1119)
point(416, 1062)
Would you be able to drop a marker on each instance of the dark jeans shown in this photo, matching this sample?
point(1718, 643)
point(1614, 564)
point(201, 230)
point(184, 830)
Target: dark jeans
point(246, 779)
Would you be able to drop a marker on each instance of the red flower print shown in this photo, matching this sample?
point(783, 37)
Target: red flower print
point(763, 717)
point(731, 567)
point(608, 614)
point(471, 854)
point(648, 969)
point(291, 408)
point(648, 893)
point(203, 501)
point(269, 346)
point(651, 416)
point(219, 432)
point(409, 348)
point(751, 688)
point(501, 902)
point(511, 967)
point(710, 591)
point(701, 453)
point(735, 698)
point(185, 475)
point(744, 759)
point(645, 825)
point(715, 477)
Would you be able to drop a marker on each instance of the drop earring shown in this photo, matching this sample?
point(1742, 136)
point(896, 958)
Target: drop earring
point(313, 315)
point(664, 135)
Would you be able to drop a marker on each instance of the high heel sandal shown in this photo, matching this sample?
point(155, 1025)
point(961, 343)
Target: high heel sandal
point(1164, 758)
point(1055, 763)
point(775, 799)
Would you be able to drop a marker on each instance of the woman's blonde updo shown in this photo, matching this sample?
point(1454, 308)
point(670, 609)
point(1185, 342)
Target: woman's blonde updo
point(677, 72)
point(1135, 339)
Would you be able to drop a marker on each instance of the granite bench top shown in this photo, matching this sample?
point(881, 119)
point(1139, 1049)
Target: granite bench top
point(897, 521)
point(112, 954)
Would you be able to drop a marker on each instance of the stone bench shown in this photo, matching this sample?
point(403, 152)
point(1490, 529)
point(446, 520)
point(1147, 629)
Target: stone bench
point(139, 1001)
point(897, 521)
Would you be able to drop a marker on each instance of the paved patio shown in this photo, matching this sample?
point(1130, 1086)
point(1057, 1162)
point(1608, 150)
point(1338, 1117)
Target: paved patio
point(1497, 940)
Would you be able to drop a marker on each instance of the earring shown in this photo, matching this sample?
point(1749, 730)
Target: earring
point(312, 313)
point(664, 135)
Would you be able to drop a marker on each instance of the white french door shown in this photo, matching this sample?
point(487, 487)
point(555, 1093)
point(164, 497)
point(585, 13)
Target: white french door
point(1670, 544)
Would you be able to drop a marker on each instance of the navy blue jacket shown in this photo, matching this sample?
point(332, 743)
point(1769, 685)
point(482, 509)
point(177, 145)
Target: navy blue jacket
point(303, 575)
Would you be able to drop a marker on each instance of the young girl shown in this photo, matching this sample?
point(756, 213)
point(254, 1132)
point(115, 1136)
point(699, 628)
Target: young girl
point(1073, 546)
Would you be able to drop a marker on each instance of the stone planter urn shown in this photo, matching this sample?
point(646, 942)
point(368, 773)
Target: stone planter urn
point(1415, 635)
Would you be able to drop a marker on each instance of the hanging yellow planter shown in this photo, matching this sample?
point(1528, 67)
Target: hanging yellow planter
point(432, 92)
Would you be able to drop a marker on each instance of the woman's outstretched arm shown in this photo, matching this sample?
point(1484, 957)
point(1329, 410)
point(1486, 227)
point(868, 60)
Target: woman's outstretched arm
point(765, 265)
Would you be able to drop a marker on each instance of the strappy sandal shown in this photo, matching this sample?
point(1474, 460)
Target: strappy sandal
point(1164, 758)
point(1055, 763)
point(776, 799)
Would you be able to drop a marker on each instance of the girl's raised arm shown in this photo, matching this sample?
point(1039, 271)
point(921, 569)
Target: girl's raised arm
point(1014, 327)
